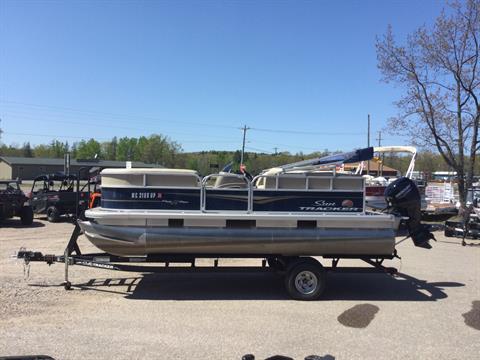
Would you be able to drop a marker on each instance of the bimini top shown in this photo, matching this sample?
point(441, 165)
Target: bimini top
point(150, 177)
point(332, 160)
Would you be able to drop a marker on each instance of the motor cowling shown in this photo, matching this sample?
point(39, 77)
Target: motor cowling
point(403, 198)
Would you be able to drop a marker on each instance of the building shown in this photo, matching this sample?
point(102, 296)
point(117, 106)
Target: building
point(25, 168)
point(376, 169)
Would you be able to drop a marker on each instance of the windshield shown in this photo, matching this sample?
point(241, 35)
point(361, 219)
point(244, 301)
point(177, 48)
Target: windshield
point(8, 186)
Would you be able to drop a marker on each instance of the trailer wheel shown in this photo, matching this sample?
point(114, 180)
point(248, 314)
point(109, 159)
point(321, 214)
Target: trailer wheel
point(305, 280)
point(26, 215)
point(53, 215)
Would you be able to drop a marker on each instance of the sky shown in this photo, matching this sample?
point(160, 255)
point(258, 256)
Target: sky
point(302, 75)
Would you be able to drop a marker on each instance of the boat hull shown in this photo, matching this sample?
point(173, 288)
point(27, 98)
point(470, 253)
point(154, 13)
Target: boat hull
point(367, 236)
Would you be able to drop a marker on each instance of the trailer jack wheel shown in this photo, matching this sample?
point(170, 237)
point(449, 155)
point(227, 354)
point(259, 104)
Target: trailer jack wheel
point(67, 285)
point(305, 280)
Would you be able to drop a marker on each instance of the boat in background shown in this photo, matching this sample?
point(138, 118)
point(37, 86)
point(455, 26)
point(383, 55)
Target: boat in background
point(375, 186)
point(442, 199)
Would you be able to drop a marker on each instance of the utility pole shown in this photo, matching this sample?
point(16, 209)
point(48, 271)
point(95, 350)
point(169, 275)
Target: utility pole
point(275, 148)
point(379, 138)
point(66, 163)
point(368, 144)
point(245, 128)
point(383, 155)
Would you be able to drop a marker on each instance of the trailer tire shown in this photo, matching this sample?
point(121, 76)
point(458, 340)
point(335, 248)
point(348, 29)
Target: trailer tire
point(305, 279)
point(26, 215)
point(53, 215)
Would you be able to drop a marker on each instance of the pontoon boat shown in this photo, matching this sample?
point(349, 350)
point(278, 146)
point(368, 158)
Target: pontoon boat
point(280, 213)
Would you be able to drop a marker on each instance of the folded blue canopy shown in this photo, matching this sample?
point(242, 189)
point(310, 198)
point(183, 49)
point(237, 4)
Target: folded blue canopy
point(337, 159)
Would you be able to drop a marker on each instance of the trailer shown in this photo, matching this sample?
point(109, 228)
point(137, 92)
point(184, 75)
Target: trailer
point(468, 226)
point(304, 277)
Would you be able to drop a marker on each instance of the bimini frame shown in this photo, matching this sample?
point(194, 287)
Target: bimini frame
point(394, 149)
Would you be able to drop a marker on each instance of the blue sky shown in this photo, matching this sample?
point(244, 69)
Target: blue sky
point(196, 71)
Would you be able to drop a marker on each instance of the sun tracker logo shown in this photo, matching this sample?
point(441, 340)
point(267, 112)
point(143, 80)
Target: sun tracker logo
point(347, 203)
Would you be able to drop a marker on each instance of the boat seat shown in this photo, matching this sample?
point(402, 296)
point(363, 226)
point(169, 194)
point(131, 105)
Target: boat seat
point(149, 177)
point(290, 182)
point(352, 183)
point(229, 181)
point(268, 181)
point(319, 183)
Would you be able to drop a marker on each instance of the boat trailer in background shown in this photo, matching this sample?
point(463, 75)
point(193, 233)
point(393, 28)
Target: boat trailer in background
point(468, 225)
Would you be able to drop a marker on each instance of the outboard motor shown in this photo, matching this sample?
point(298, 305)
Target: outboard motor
point(403, 197)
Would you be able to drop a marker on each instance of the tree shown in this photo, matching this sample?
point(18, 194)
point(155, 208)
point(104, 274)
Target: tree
point(88, 149)
point(57, 149)
point(109, 149)
point(438, 68)
point(73, 151)
point(27, 150)
point(42, 150)
point(126, 148)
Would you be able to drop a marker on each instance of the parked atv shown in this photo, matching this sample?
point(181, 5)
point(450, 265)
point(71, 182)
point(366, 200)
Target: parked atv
point(56, 195)
point(13, 202)
point(467, 225)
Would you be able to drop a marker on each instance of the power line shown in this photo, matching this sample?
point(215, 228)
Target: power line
point(136, 117)
point(166, 132)
point(257, 149)
point(58, 136)
point(278, 145)
point(300, 132)
point(115, 115)
point(96, 124)
point(99, 139)
point(81, 118)
point(54, 136)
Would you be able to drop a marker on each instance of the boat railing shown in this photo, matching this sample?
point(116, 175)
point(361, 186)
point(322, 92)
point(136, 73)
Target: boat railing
point(306, 177)
point(205, 188)
point(267, 192)
point(311, 183)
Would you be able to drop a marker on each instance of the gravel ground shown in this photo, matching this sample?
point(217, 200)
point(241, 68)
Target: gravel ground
point(430, 311)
